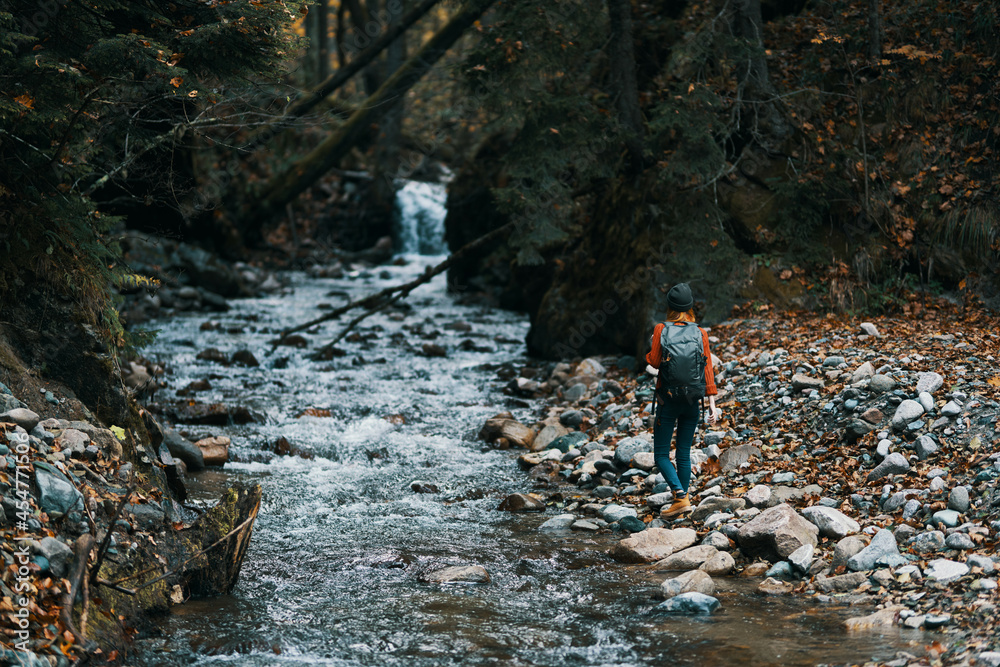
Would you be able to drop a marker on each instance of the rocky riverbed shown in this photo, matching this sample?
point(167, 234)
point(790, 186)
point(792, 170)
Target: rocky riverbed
point(855, 463)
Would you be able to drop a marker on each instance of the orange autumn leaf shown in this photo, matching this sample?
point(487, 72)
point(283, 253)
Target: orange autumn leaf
point(176, 81)
point(994, 381)
point(25, 101)
point(315, 412)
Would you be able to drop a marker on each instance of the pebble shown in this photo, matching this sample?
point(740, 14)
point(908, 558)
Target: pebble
point(925, 446)
point(571, 418)
point(984, 563)
point(948, 517)
point(560, 522)
point(951, 409)
point(958, 499)
point(782, 478)
point(612, 513)
point(960, 541)
point(906, 412)
point(893, 464)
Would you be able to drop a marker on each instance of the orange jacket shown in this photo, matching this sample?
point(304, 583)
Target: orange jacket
point(655, 356)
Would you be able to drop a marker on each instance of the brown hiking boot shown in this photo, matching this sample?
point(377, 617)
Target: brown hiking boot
point(681, 505)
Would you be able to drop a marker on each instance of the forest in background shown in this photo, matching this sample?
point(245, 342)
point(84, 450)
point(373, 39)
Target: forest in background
point(832, 155)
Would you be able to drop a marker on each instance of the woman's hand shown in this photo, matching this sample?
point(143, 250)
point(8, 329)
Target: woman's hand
point(714, 413)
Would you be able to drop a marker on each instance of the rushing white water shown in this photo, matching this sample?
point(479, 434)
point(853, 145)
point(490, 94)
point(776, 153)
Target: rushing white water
point(420, 213)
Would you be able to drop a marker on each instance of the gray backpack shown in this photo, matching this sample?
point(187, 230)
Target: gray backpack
point(682, 363)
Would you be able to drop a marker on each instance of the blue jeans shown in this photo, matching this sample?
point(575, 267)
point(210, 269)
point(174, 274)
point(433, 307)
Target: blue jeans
point(685, 416)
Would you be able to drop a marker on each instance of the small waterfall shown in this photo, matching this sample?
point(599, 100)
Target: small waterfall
point(420, 212)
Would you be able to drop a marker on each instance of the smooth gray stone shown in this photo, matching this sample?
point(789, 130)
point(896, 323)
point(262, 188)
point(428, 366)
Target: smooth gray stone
point(883, 545)
point(689, 604)
point(948, 517)
point(906, 412)
point(58, 554)
point(958, 500)
point(925, 446)
point(894, 464)
point(960, 541)
point(56, 496)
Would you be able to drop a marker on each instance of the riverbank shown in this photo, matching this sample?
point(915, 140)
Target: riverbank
point(855, 463)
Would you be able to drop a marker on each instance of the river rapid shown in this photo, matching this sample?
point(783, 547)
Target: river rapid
point(331, 574)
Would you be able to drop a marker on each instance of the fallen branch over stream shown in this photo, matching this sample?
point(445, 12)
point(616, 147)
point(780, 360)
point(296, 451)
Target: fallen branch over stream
point(390, 295)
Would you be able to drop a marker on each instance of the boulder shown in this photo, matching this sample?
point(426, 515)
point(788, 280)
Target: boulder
point(831, 523)
point(694, 581)
point(880, 552)
point(864, 371)
point(457, 574)
point(613, 512)
point(653, 544)
point(880, 384)
point(23, 417)
point(628, 448)
point(775, 533)
point(847, 547)
point(691, 558)
point(214, 450)
point(56, 496)
point(714, 504)
point(73, 441)
point(519, 502)
point(105, 440)
point(719, 564)
point(183, 449)
point(943, 570)
point(842, 583)
point(547, 436)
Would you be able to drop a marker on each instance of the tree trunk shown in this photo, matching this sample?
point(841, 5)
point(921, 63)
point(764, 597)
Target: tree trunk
point(300, 176)
point(317, 61)
point(308, 102)
point(389, 138)
point(625, 90)
point(766, 124)
point(361, 19)
point(874, 32)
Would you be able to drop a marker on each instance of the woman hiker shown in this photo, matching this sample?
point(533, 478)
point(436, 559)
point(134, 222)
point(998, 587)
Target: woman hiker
point(678, 408)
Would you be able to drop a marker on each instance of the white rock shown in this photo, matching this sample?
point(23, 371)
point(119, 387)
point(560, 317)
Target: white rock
point(869, 328)
point(942, 569)
point(929, 382)
point(758, 495)
point(906, 412)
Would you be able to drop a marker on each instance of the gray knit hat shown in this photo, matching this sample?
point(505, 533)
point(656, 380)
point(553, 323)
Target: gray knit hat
point(679, 298)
